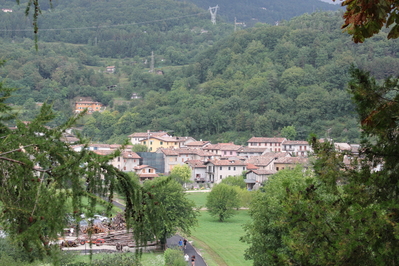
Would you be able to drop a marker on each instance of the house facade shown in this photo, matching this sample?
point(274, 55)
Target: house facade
point(145, 172)
point(297, 147)
point(272, 144)
point(216, 170)
point(198, 171)
point(255, 178)
point(137, 137)
point(154, 143)
point(289, 162)
point(91, 107)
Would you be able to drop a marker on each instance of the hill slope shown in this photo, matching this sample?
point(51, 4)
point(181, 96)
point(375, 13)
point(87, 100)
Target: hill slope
point(268, 11)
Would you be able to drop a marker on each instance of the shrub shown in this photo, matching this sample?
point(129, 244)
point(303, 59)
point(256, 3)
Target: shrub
point(174, 257)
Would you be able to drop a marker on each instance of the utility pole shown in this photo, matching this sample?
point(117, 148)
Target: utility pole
point(213, 11)
point(152, 62)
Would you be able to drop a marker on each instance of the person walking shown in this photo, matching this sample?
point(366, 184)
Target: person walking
point(185, 243)
point(186, 257)
point(193, 260)
point(180, 244)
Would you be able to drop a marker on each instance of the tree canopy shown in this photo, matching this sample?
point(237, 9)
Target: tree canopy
point(364, 19)
point(222, 202)
point(346, 212)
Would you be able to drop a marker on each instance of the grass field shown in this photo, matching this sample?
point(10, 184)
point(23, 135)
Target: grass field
point(216, 239)
point(198, 197)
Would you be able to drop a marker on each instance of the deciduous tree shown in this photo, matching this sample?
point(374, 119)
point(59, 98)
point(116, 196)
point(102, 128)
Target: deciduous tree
point(222, 201)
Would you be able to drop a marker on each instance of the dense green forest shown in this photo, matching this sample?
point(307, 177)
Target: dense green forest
point(217, 84)
point(265, 11)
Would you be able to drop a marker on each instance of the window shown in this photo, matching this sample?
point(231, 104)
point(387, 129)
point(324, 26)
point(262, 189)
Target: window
point(220, 168)
point(234, 168)
point(144, 142)
point(221, 177)
point(304, 147)
point(150, 142)
point(124, 168)
point(224, 152)
point(277, 169)
point(229, 168)
point(161, 143)
point(243, 168)
point(231, 153)
point(119, 159)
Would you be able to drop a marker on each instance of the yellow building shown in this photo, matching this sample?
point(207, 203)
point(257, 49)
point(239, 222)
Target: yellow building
point(153, 143)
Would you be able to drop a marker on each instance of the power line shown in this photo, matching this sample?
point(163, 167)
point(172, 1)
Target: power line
point(108, 26)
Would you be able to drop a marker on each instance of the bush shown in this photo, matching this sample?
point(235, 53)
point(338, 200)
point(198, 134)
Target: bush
point(174, 257)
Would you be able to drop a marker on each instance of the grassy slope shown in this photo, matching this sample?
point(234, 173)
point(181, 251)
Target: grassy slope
point(222, 238)
point(219, 242)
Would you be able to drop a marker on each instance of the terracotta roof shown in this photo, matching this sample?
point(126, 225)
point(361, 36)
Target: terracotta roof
point(266, 140)
point(148, 175)
point(291, 160)
point(196, 163)
point(295, 142)
point(168, 139)
point(251, 166)
point(103, 152)
point(169, 152)
point(253, 149)
point(145, 134)
point(260, 160)
point(230, 147)
point(178, 151)
point(222, 146)
point(139, 167)
point(227, 162)
point(197, 143)
point(277, 154)
point(130, 155)
point(264, 172)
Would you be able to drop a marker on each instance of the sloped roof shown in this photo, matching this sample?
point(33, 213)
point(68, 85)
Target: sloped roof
point(266, 140)
point(196, 163)
point(139, 167)
point(251, 166)
point(227, 162)
point(296, 142)
point(261, 160)
point(292, 160)
point(197, 143)
point(130, 155)
point(247, 149)
point(103, 152)
point(145, 134)
point(264, 172)
point(148, 175)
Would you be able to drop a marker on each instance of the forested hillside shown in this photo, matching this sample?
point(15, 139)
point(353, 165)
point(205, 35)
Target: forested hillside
point(266, 11)
point(120, 28)
point(216, 84)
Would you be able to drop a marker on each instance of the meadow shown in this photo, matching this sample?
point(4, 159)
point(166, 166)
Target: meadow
point(219, 243)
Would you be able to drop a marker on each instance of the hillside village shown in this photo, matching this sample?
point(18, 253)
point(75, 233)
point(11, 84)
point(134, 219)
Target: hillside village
point(209, 163)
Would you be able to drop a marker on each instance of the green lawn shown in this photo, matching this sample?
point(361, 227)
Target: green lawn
point(198, 197)
point(222, 238)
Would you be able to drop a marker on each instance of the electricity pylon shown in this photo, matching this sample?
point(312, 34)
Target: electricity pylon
point(213, 11)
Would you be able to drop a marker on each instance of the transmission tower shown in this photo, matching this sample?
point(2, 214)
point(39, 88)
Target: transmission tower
point(213, 11)
point(152, 62)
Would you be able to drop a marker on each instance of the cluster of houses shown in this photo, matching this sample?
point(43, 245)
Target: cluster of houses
point(209, 163)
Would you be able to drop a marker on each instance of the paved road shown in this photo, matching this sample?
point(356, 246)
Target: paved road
point(174, 241)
